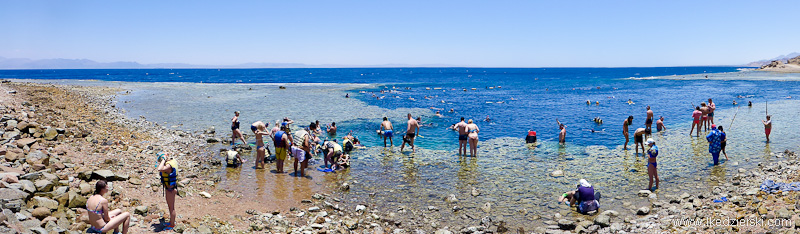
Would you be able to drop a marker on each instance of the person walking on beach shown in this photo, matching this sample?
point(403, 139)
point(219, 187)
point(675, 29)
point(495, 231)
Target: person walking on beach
point(237, 134)
point(168, 170)
point(411, 132)
point(711, 108)
point(638, 139)
point(100, 218)
point(473, 130)
point(282, 141)
point(648, 123)
point(462, 137)
point(562, 133)
point(715, 139)
point(660, 124)
point(652, 169)
point(388, 131)
point(767, 126)
point(625, 133)
point(696, 120)
point(261, 148)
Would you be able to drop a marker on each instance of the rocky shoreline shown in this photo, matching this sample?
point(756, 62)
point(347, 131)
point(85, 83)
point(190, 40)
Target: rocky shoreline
point(58, 140)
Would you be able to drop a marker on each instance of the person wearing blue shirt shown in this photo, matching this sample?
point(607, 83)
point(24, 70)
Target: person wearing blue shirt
point(715, 138)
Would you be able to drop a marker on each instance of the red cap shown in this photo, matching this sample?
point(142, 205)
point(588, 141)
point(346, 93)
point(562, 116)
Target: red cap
point(531, 133)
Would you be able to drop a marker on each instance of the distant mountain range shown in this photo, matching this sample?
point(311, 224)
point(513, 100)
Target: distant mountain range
point(23, 63)
point(782, 58)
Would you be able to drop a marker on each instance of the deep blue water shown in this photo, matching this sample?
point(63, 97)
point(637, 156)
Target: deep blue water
point(533, 98)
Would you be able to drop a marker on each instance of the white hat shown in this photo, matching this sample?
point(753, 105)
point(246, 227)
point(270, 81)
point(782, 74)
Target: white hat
point(650, 141)
point(584, 183)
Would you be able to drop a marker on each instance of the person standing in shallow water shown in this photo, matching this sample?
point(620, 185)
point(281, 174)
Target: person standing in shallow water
point(388, 131)
point(660, 124)
point(652, 165)
point(562, 133)
point(648, 123)
point(696, 120)
point(473, 130)
point(625, 133)
point(462, 137)
point(411, 132)
point(236, 133)
point(767, 126)
point(711, 108)
point(715, 139)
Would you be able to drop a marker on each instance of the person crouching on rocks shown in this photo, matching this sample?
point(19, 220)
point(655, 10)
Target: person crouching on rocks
point(168, 169)
point(584, 197)
point(100, 218)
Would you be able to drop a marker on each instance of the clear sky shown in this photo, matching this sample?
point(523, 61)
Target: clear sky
point(460, 33)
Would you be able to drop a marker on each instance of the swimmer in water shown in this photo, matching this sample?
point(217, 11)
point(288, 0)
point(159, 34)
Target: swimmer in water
point(487, 119)
point(562, 133)
point(452, 110)
point(660, 124)
point(439, 114)
point(347, 95)
point(749, 103)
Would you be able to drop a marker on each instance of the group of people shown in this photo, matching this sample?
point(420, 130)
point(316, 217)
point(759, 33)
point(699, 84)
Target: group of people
point(301, 145)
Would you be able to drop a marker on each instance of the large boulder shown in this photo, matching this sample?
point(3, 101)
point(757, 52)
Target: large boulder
point(11, 194)
point(44, 185)
point(44, 202)
point(21, 143)
point(41, 212)
point(76, 200)
point(50, 134)
point(36, 156)
point(103, 175)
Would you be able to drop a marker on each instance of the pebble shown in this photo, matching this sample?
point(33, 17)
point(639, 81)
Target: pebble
point(557, 173)
point(205, 194)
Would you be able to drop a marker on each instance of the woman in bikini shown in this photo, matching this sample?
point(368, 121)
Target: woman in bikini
point(261, 148)
point(237, 134)
point(100, 218)
point(473, 130)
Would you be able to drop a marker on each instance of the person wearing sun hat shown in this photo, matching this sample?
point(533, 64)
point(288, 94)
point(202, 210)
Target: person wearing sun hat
point(652, 165)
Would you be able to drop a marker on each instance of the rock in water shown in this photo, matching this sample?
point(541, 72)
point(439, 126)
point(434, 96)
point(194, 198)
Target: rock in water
point(50, 134)
point(487, 207)
point(210, 130)
point(451, 198)
point(557, 173)
point(475, 192)
point(644, 193)
point(360, 208)
point(643, 211)
point(565, 224)
point(603, 220)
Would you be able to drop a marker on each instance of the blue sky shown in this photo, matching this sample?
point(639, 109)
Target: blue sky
point(461, 33)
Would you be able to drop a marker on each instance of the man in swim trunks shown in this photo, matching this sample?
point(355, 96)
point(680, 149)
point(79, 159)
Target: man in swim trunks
point(411, 132)
point(282, 140)
point(648, 123)
point(696, 120)
point(660, 124)
point(704, 121)
point(387, 128)
point(638, 139)
point(711, 108)
point(562, 133)
point(332, 129)
point(625, 125)
point(767, 126)
point(301, 149)
point(462, 137)
point(652, 169)
point(715, 139)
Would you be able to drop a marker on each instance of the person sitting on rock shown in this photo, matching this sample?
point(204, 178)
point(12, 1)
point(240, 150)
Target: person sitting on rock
point(100, 218)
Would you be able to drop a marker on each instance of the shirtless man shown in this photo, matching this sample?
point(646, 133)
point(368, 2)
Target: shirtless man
point(660, 124)
point(562, 134)
point(704, 121)
point(625, 125)
point(711, 108)
point(767, 126)
point(648, 123)
point(387, 129)
point(332, 129)
point(439, 114)
point(411, 132)
point(462, 137)
point(696, 120)
point(638, 139)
